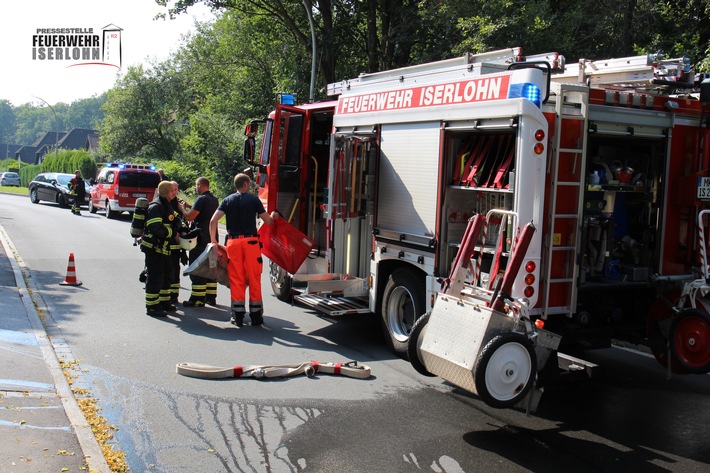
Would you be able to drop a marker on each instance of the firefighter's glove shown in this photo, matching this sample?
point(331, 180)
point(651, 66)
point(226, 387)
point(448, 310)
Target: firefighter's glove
point(183, 257)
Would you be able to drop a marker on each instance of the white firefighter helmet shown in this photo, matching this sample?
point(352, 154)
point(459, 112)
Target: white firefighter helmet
point(187, 243)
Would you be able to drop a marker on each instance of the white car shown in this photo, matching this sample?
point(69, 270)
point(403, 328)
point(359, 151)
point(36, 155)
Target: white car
point(9, 179)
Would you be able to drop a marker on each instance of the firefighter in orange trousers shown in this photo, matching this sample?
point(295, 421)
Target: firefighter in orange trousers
point(159, 235)
point(243, 248)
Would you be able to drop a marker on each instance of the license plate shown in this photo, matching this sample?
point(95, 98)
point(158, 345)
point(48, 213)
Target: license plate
point(703, 188)
point(139, 195)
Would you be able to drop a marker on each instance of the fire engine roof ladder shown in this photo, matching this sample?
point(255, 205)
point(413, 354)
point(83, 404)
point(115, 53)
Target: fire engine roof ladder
point(633, 72)
point(567, 178)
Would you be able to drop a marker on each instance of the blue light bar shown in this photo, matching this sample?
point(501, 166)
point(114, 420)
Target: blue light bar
point(526, 90)
point(152, 167)
point(287, 99)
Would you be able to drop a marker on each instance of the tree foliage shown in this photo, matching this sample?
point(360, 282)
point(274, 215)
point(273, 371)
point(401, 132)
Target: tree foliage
point(143, 115)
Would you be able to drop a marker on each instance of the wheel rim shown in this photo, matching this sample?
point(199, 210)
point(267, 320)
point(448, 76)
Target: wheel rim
point(691, 341)
point(401, 313)
point(508, 371)
point(276, 274)
point(33, 196)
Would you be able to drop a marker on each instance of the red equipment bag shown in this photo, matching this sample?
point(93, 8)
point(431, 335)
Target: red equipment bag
point(284, 244)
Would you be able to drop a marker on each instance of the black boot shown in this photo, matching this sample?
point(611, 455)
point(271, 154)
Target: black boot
point(167, 306)
point(237, 319)
point(256, 317)
point(194, 302)
point(155, 311)
point(211, 300)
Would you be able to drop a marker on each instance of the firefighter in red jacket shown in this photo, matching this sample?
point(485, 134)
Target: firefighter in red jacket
point(77, 189)
point(243, 248)
point(160, 233)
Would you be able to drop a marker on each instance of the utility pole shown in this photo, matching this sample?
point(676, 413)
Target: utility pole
point(56, 123)
point(309, 11)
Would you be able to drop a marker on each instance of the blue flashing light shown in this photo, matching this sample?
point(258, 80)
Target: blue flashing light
point(109, 165)
point(287, 99)
point(152, 167)
point(121, 166)
point(526, 90)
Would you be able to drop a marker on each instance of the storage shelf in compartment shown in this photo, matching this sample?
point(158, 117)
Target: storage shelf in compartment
point(482, 189)
point(617, 188)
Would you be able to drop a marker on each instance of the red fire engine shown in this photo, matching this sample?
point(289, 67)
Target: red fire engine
point(607, 160)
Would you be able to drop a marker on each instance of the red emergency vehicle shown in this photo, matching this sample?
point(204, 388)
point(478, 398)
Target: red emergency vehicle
point(118, 185)
point(607, 159)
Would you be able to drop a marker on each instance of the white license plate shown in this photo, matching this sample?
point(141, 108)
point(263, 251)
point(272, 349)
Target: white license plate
point(703, 188)
point(139, 195)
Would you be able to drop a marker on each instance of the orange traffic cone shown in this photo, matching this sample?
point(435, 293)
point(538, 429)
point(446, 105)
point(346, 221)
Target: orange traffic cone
point(71, 280)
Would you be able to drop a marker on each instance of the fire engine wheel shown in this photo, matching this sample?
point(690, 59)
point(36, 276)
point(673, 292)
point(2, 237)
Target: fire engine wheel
point(505, 370)
point(402, 304)
point(109, 212)
point(415, 343)
point(281, 282)
point(690, 340)
point(658, 328)
point(92, 209)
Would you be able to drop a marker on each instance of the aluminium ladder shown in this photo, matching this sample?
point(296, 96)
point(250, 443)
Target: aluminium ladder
point(567, 179)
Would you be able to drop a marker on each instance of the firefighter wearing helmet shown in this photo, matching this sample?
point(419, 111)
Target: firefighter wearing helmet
point(159, 235)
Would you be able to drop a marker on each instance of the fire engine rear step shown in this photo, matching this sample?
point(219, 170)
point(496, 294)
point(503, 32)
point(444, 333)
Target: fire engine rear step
point(334, 305)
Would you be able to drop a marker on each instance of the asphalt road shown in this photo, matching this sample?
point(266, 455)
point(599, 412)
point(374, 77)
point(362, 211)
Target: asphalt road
point(631, 418)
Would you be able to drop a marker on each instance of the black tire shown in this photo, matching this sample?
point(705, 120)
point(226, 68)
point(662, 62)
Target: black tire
point(110, 213)
point(34, 198)
point(414, 344)
point(281, 282)
point(62, 201)
point(505, 370)
point(92, 209)
point(403, 302)
point(690, 340)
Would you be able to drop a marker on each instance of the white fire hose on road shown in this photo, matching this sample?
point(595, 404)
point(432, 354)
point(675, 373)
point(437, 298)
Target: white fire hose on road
point(350, 369)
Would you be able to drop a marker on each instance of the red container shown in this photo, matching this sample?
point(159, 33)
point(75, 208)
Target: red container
point(285, 245)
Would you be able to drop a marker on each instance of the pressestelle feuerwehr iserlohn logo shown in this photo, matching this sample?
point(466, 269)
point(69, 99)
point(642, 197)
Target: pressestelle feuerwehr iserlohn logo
point(78, 46)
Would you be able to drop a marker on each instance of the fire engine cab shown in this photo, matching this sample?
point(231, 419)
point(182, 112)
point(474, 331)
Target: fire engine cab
point(606, 161)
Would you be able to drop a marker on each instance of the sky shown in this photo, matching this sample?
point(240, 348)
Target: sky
point(27, 73)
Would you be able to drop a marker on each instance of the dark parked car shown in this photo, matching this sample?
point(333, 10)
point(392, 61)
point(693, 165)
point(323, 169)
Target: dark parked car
point(54, 187)
point(9, 179)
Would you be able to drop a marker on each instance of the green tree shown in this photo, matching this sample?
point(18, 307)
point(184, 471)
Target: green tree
point(140, 114)
point(591, 30)
point(85, 113)
point(8, 122)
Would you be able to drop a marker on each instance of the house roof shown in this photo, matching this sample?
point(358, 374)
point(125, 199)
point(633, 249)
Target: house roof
point(49, 138)
point(26, 154)
point(76, 138)
point(8, 150)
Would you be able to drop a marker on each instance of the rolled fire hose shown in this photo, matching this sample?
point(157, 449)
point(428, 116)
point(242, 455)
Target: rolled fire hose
point(351, 369)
